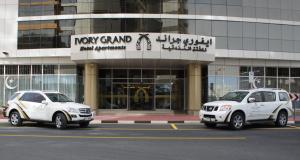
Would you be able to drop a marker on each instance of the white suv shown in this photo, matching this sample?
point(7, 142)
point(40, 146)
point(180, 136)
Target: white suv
point(42, 106)
point(247, 106)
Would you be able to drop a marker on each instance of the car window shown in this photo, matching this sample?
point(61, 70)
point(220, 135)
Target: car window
point(269, 96)
point(58, 97)
point(283, 96)
point(257, 95)
point(32, 97)
point(14, 96)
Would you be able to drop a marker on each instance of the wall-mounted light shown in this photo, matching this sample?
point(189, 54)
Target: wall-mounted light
point(5, 53)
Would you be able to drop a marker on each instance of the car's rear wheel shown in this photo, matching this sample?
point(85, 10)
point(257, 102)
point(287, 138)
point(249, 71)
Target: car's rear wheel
point(84, 124)
point(237, 121)
point(210, 125)
point(60, 121)
point(15, 118)
point(282, 119)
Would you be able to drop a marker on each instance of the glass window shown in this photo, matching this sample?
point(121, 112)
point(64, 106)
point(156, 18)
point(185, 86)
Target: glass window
point(295, 85)
point(283, 96)
point(262, 44)
point(58, 97)
point(257, 96)
point(297, 32)
point(187, 26)
point(295, 72)
point(1, 69)
point(283, 83)
point(249, 29)
point(244, 70)
point(235, 43)
point(32, 97)
point(262, 30)
point(231, 70)
point(11, 69)
point(271, 82)
point(221, 42)
point(67, 69)
point(275, 31)
point(50, 69)
point(36, 69)
point(249, 44)
point(274, 14)
point(258, 71)
point(262, 13)
point(271, 71)
point(219, 10)
point(286, 15)
point(68, 84)
point(119, 73)
point(235, 11)
point(249, 12)
point(287, 46)
point(218, 2)
point(283, 72)
point(24, 69)
point(203, 9)
point(219, 28)
point(261, 3)
point(287, 32)
point(105, 73)
point(235, 29)
point(269, 96)
point(275, 45)
point(203, 27)
point(235, 96)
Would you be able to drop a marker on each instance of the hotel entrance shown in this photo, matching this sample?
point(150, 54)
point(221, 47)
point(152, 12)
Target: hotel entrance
point(141, 89)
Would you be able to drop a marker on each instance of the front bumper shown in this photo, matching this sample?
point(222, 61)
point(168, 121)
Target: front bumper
point(78, 117)
point(213, 116)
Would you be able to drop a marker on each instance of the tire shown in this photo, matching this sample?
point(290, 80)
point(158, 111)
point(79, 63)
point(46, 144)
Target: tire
point(282, 119)
point(15, 119)
point(84, 124)
point(210, 125)
point(237, 121)
point(60, 121)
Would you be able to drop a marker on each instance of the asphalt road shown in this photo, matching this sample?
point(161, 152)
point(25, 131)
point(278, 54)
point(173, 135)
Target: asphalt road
point(148, 142)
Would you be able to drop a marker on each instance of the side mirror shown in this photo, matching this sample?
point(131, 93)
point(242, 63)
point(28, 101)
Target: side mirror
point(44, 102)
point(251, 100)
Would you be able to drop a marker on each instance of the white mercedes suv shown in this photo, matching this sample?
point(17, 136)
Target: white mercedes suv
point(40, 106)
point(241, 107)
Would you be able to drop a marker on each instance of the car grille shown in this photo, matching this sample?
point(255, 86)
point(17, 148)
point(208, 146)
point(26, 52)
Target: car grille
point(85, 110)
point(210, 108)
point(209, 116)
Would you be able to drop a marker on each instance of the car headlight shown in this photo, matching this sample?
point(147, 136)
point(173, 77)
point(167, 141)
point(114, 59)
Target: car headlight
point(73, 110)
point(225, 108)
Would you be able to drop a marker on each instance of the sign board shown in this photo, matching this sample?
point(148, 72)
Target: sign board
point(141, 42)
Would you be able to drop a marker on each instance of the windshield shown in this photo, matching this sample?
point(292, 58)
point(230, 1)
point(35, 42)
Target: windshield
point(58, 97)
point(235, 96)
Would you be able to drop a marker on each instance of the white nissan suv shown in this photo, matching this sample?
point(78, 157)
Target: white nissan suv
point(240, 107)
point(40, 106)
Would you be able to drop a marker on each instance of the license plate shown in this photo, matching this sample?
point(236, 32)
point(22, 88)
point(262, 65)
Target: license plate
point(87, 118)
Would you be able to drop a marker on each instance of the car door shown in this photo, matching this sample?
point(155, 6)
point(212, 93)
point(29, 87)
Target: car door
point(32, 102)
point(269, 104)
point(255, 107)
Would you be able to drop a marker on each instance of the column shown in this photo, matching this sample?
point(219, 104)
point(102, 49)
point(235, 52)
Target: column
point(90, 86)
point(194, 88)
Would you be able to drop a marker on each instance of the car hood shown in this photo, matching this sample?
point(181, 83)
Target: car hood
point(71, 104)
point(220, 103)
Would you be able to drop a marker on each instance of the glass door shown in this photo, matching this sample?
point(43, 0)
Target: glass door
point(141, 96)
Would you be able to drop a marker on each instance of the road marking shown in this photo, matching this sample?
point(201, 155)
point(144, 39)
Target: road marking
point(126, 137)
point(174, 126)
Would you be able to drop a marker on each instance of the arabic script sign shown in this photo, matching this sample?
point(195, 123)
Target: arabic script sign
point(142, 42)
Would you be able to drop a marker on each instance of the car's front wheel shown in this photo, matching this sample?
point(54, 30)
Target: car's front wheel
point(15, 118)
point(282, 119)
point(84, 124)
point(237, 121)
point(60, 121)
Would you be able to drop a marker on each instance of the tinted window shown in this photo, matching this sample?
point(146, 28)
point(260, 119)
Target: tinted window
point(32, 97)
point(14, 96)
point(235, 96)
point(57, 97)
point(269, 96)
point(283, 96)
point(257, 96)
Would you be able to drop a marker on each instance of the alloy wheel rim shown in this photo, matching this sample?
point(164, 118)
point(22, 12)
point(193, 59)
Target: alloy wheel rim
point(58, 121)
point(14, 119)
point(282, 119)
point(238, 121)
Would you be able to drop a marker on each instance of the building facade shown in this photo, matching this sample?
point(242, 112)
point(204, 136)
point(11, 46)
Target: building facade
point(148, 54)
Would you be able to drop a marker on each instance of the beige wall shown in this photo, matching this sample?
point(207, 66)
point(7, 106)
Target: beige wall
point(90, 85)
point(194, 88)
